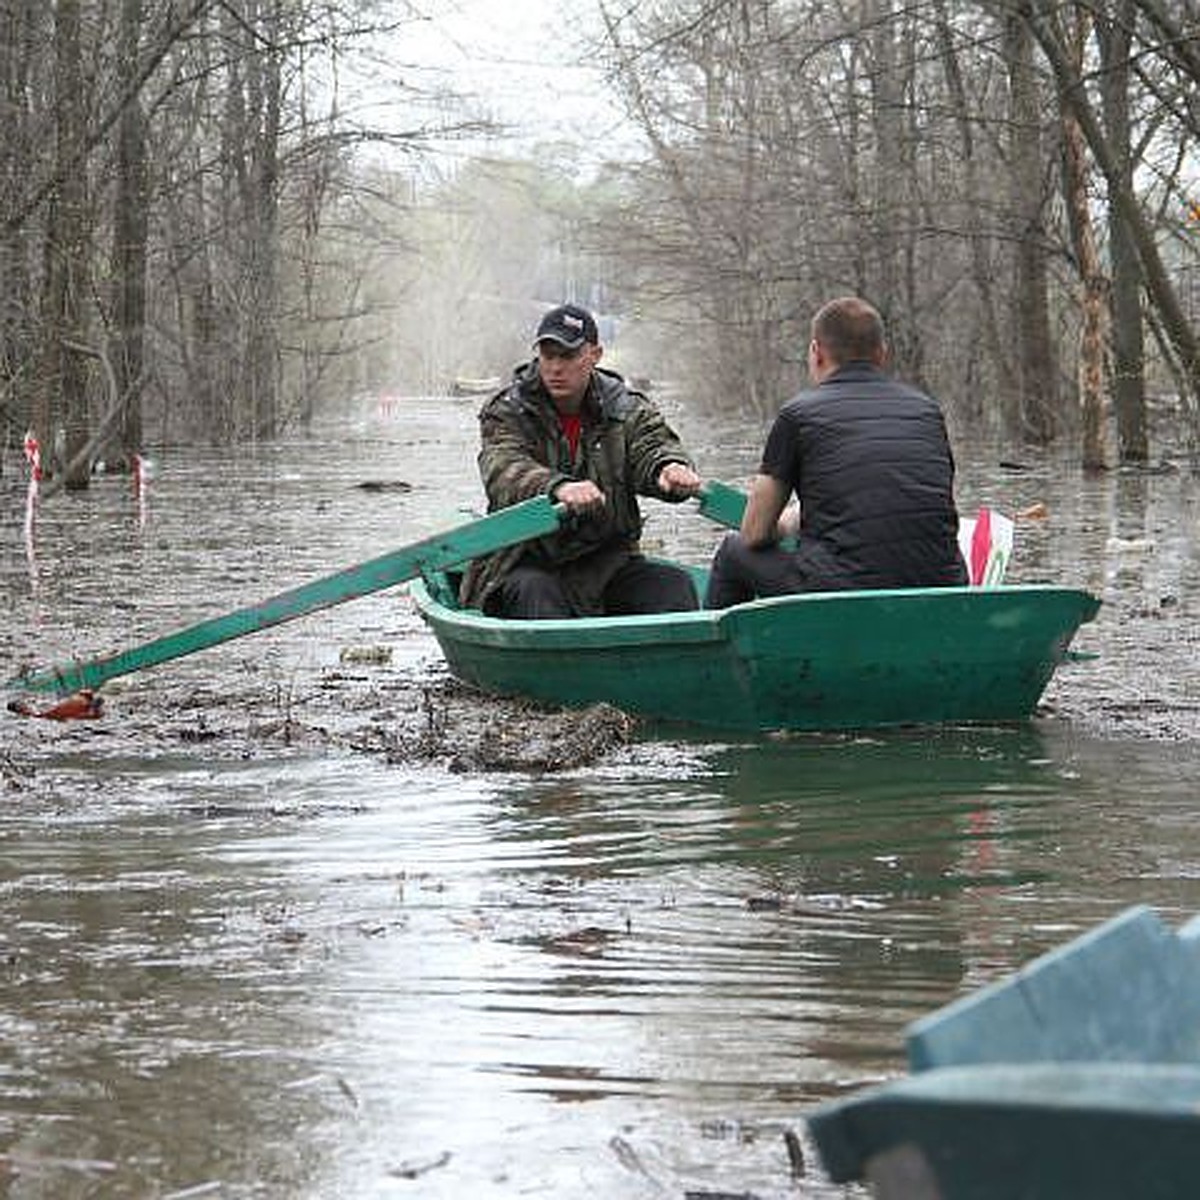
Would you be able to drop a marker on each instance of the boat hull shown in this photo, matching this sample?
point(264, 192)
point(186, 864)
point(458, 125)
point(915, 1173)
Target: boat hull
point(819, 661)
point(1038, 1131)
point(1078, 1075)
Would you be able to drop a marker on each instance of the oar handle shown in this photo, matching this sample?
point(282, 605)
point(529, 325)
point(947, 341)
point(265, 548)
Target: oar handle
point(723, 504)
point(726, 505)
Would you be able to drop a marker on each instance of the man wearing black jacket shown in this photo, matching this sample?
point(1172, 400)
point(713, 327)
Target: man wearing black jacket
point(868, 461)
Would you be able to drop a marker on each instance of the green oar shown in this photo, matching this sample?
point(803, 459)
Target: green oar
point(725, 505)
point(520, 523)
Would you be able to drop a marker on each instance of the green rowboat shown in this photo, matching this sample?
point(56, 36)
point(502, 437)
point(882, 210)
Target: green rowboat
point(820, 661)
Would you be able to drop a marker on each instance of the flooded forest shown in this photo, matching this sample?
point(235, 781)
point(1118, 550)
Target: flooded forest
point(303, 915)
point(221, 220)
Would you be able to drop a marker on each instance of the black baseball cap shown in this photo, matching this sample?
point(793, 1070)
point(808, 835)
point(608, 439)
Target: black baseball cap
point(568, 325)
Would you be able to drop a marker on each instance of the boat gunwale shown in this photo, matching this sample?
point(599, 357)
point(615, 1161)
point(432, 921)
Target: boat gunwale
point(1074, 1084)
point(698, 625)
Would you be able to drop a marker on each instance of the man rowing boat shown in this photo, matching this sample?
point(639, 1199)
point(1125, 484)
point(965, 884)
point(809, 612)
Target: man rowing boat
point(568, 429)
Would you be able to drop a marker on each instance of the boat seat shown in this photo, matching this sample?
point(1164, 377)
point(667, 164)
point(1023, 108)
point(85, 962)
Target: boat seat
point(1127, 991)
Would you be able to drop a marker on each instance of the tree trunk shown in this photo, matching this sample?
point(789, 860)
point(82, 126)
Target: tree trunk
point(67, 276)
point(887, 202)
point(261, 214)
point(1093, 306)
point(130, 233)
point(1093, 303)
point(982, 262)
point(20, 30)
point(1037, 368)
point(1128, 334)
point(1177, 329)
point(896, 222)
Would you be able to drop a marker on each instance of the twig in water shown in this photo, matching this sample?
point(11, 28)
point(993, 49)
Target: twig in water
point(795, 1153)
point(416, 1170)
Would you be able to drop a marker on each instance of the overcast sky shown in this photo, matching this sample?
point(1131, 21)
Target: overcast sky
point(521, 61)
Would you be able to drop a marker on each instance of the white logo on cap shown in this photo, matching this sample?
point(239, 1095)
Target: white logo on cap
point(574, 322)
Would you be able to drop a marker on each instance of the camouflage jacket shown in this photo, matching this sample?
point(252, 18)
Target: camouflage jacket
point(624, 443)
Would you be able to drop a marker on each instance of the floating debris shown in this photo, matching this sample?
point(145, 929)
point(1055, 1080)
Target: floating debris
point(1135, 545)
point(1038, 511)
point(385, 485)
point(416, 1170)
point(85, 705)
point(376, 656)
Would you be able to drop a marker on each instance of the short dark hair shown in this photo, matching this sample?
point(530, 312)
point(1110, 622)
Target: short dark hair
point(849, 330)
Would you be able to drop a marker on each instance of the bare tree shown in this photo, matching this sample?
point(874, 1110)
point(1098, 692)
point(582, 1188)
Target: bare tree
point(131, 227)
point(192, 174)
point(1094, 286)
point(1137, 224)
point(975, 213)
point(65, 335)
point(1115, 35)
point(1037, 365)
point(708, 235)
point(23, 28)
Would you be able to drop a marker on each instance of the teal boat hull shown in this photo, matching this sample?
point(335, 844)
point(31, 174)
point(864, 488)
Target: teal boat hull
point(1078, 1075)
point(819, 661)
point(1037, 1131)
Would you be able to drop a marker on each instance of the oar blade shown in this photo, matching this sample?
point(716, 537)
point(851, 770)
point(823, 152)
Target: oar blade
point(723, 504)
point(521, 523)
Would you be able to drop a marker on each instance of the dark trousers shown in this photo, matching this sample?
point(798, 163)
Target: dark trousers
point(639, 586)
point(740, 572)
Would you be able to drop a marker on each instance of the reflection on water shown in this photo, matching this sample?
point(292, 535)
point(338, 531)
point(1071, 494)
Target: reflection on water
point(307, 976)
point(148, 1018)
point(291, 979)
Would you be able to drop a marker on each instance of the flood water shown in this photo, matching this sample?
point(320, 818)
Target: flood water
point(238, 963)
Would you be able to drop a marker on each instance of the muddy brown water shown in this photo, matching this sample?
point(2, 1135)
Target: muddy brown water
point(265, 936)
